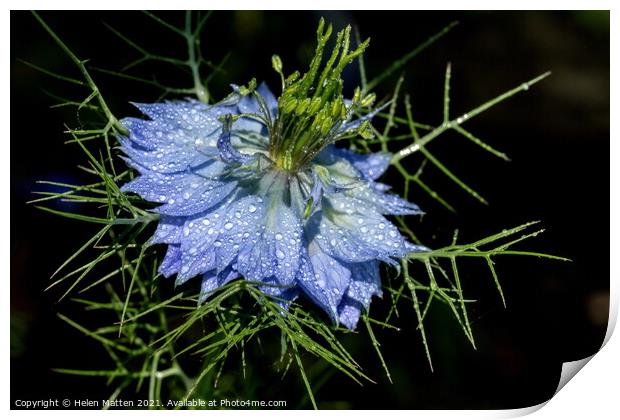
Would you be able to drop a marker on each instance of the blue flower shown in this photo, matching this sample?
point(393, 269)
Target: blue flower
point(227, 211)
point(253, 187)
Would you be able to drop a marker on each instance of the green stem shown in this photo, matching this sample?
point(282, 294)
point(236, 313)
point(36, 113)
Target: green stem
point(194, 65)
point(89, 81)
point(453, 124)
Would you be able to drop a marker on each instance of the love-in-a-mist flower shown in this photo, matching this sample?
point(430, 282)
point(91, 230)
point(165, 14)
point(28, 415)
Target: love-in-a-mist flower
point(253, 187)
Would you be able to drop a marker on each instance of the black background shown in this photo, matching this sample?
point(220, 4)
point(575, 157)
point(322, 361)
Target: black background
point(557, 135)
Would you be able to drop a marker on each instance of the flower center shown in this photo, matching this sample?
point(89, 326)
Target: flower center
point(311, 109)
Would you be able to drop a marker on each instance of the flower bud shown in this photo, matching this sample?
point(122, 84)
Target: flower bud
point(276, 63)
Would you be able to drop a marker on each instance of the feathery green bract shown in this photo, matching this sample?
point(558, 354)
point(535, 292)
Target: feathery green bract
point(157, 336)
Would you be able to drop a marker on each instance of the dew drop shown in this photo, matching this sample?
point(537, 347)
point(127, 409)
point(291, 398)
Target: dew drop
point(228, 226)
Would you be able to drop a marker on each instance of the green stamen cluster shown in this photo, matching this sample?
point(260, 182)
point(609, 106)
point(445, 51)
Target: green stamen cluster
point(311, 107)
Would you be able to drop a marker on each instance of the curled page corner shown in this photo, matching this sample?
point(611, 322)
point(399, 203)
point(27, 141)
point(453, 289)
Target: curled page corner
point(569, 370)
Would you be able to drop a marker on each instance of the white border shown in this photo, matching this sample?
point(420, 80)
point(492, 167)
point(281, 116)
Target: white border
point(593, 394)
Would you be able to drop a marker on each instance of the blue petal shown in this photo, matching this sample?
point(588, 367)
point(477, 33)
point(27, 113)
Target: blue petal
point(349, 312)
point(168, 230)
point(347, 172)
point(356, 234)
point(213, 280)
point(171, 158)
point(240, 227)
point(198, 238)
point(371, 165)
point(276, 251)
point(384, 203)
point(170, 110)
point(184, 194)
point(213, 240)
point(171, 262)
point(365, 283)
point(193, 264)
point(323, 280)
point(200, 199)
point(283, 296)
point(181, 135)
